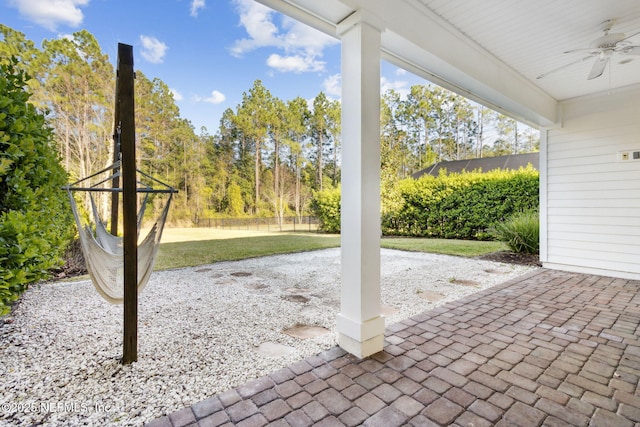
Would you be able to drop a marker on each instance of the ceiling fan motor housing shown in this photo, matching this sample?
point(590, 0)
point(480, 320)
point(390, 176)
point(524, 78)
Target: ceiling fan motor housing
point(608, 41)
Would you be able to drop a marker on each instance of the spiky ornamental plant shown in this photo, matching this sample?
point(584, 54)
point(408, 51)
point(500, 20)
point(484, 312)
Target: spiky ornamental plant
point(521, 232)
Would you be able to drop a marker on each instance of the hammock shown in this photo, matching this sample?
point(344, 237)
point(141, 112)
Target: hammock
point(103, 252)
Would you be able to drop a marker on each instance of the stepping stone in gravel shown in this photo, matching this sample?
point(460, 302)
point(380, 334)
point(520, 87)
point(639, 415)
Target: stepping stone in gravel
point(241, 274)
point(431, 296)
point(256, 286)
point(305, 331)
point(464, 282)
point(296, 290)
point(335, 303)
point(495, 271)
point(387, 310)
point(203, 270)
point(271, 349)
point(295, 298)
point(328, 299)
point(216, 275)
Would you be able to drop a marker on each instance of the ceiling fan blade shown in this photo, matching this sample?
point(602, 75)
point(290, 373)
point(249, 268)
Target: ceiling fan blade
point(598, 67)
point(562, 67)
point(591, 50)
point(628, 37)
point(630, 50)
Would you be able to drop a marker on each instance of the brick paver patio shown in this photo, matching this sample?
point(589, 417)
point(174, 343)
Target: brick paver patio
point(550, 348)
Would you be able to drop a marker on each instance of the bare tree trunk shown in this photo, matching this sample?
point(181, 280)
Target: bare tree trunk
point(479, 148)
point(298, 185)
point(456, 139)
point(320, 145)
point(276, 180)
point(67, 146)
point(257, 176)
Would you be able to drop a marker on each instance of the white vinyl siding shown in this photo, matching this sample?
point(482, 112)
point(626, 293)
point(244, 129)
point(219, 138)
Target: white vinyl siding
point(592, 200)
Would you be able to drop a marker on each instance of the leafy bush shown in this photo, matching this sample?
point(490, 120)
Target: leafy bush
point(35, 218)
point(454, 206)
point(326, 206)
point(461, 206)
point(521, 232)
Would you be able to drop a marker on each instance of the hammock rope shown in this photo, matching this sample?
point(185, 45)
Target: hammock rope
point(102, 251)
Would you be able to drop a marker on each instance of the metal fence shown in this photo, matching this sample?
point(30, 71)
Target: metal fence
point(289, 223)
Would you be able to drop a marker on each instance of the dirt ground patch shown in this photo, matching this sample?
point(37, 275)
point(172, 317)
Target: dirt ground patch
point(513, 258)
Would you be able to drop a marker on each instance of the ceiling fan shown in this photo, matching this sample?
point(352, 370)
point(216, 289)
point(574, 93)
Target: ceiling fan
point(602, 49)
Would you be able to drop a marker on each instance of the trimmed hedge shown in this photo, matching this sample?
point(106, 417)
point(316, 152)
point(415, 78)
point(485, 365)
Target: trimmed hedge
point(35, 219)
point(462, 206)
point(454, 206)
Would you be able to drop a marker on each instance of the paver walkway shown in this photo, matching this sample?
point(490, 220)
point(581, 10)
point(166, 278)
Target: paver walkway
point(550, 348)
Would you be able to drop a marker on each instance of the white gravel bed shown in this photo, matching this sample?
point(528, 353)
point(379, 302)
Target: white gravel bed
point(199, 332)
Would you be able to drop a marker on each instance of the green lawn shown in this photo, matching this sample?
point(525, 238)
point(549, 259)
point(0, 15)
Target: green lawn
point(468, 248)
point(192, 253)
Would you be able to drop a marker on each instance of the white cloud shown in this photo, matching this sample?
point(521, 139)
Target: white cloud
point(299, 36)
point(51, 13)
point(216, 97)
point(303, 46)
point(333, 85)
point(177, 96)
point(310, 103)
point(257, 22)
point(400, 71)
point(400, 86)
point(153, 50)
point(295, 63)
point(196, 5)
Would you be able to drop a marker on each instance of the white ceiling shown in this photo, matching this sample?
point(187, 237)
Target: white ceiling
point(532, 36)
point(493, 50)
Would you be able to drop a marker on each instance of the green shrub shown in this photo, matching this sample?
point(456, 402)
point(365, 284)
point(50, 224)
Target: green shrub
point(326, 206)
point(521, 232)
point(454, 206)
point(461, 206)
point(35, 219)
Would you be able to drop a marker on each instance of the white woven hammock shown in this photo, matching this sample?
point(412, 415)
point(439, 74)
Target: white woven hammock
point(103, 252)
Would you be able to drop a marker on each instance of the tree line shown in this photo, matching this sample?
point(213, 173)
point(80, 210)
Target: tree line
point(268, 155)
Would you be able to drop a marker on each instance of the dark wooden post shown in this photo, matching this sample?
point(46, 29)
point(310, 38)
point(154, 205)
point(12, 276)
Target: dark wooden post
point(115, 183)
point(125, 105)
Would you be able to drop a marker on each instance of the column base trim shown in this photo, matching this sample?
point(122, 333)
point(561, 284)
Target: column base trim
point(361, 339)
point(361, 349)
point(360, 330)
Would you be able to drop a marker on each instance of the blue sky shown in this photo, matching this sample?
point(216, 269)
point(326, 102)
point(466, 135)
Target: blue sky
point(207, 51)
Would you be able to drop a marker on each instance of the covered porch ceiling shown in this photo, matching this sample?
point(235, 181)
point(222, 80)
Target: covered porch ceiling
point(494, 51)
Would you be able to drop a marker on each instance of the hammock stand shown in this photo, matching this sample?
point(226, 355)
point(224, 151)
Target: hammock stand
point(116, 270)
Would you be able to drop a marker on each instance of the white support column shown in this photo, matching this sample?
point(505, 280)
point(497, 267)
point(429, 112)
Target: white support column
point(359, 324)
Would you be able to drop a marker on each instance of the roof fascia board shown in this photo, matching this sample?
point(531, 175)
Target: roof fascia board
point(421, 42)
point(299, 13)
